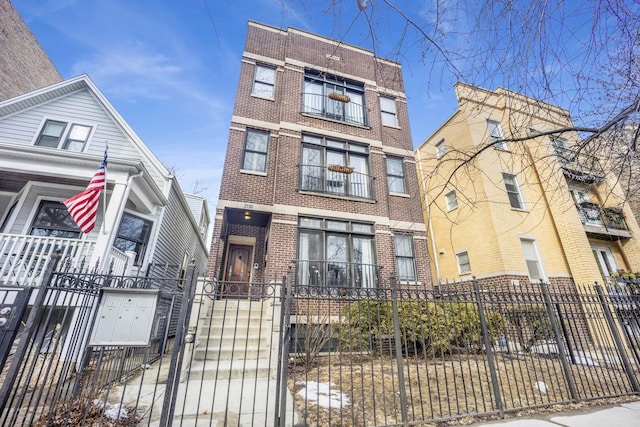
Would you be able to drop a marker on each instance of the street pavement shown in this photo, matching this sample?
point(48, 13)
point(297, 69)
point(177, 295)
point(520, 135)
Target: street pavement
point(619, 415)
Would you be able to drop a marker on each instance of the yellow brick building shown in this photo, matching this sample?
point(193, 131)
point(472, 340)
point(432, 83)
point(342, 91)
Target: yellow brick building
point(507, 199)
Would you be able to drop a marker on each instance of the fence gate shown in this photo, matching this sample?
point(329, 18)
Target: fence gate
point(52, 375)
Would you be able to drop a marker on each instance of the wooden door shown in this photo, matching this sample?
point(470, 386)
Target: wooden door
point(239, 269)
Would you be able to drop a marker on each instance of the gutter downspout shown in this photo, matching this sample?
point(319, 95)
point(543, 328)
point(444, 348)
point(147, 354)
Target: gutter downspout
point(431, 235)
point(119, 216)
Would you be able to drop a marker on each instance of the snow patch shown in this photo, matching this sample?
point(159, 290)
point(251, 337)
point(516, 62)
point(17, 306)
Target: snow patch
point(323, 394)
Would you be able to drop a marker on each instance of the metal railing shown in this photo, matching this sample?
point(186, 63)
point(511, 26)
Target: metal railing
point(336, 274)
point(400, 356)
point(321, 105)
point(597, 216)
point(23, 258)
point(319, 179)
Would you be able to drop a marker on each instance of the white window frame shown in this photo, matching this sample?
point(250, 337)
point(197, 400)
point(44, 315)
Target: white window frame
point(392, 176)
point(516, 192)
point(496, 133)
point(257, 82)
point(264, 153)
point(605, 260)
point(532, 254)
point(64, 139)
point(389, 112)
point(441, 148)
point(560, 149)
point(451, 200)
point(463, 267)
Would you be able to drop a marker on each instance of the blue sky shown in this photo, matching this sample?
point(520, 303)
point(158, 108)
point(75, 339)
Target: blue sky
point(171, 68)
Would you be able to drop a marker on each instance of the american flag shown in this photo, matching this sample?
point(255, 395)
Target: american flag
point(83, 207)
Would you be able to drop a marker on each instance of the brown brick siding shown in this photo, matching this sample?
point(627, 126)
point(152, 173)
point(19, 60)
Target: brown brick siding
point(282, 116)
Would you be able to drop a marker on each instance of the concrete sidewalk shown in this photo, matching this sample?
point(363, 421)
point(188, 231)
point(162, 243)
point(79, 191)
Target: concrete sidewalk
point(620, 415)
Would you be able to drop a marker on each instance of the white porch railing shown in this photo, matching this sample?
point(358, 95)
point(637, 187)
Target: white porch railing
point(121, 262)
point(23, 258)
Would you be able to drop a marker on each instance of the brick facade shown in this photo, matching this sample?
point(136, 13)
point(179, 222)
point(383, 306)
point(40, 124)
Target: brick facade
point(24, 65)
point(275, 197)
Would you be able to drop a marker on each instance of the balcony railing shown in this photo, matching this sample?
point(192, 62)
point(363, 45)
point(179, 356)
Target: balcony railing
point(23, 258)
point(332, 274)
point(321, 105)
point(319, 179)
point(608, 220)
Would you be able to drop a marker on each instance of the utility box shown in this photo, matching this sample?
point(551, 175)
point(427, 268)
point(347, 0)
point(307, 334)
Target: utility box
point(125, 317)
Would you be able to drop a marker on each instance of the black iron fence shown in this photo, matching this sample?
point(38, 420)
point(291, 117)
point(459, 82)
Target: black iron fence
point(285, 353)
point(54, 375)
point(321, 179)
point(396, 356)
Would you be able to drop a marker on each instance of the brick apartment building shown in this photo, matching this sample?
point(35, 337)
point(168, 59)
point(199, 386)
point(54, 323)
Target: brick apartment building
point(319, 172)
point(24, 65)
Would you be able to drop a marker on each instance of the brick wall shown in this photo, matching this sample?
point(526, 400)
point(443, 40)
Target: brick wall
point(24, 65)
point(290, 52)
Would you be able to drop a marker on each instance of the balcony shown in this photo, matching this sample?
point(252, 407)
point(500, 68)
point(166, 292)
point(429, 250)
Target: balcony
point(322, 105)
point(599, 222)
point(337, 275)
point(337, 181)
point(579, 167)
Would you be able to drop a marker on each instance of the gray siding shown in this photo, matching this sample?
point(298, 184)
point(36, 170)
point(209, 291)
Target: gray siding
point(78, 107)
point(178, 235)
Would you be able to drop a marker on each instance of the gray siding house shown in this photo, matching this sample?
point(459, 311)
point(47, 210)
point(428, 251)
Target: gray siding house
point(52, 141)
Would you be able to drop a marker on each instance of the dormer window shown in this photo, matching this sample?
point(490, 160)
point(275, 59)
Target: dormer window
point(63, 135)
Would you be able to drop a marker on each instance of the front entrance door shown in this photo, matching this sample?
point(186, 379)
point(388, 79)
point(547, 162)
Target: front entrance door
point(239, 269)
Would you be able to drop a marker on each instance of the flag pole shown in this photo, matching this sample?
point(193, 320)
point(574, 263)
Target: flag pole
point(104, 193)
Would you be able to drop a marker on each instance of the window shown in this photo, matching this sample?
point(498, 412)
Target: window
point(53, 220)
point(395, 175)
point(441, 149)
point(255, 151)
point(67, 136)
point(560, 148)
point(605, 260)
point(496, 134)
point(133, 235)
point(333, 97)
point(452, 200)
point(388, 111)
point(336, 253)
point(405, 258)
point(264, 81)
point(532, 259)
point(513, 191)
point(335, 167)
point(464, 267)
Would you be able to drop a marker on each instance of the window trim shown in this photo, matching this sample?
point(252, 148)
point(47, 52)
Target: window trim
point(468, 263)
point(265, 153)
point(387, 113)
point(441, 148)
point(503, 145)
point(451, 206)
point(340, 85)
point(272, 85)
point(349, 150)
point(140, 256)
point(412, 257)
point(538, 259)
point(402, 177)
point(517, 192)
point(64, 138)
point(40, 202)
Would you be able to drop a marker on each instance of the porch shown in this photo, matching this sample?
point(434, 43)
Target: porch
point(23, 258)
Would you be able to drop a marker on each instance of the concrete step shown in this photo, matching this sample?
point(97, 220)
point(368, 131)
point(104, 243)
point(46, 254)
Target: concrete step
point(229, 339)
point(230, 321)
point(231, 369)
point(231, 353)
